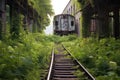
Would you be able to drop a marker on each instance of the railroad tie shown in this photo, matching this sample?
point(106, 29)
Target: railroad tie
point(63, 68)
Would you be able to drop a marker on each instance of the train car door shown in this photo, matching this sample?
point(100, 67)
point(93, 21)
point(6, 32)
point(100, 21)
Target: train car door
point(71, 23)
point(64, 23)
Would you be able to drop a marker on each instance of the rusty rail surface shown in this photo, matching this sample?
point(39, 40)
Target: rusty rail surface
point(51, 66)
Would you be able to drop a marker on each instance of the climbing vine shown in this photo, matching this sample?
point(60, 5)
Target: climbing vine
point(15, 23)
point(85, 18)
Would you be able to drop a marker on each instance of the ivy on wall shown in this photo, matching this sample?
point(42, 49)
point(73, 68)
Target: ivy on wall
point(85, 18)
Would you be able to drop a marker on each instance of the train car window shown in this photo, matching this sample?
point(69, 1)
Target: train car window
point(56, 23)
point(72, 23)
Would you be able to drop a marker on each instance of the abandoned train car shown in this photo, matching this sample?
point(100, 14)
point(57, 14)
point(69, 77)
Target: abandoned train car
point(64, 24)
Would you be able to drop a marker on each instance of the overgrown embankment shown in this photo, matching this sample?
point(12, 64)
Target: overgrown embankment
point(100, 57)
point(24, 58)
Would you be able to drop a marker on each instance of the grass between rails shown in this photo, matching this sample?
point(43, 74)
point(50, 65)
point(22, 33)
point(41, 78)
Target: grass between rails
point(24, 58)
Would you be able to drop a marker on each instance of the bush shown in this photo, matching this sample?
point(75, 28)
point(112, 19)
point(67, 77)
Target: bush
point(101, 57)
point(24, 58)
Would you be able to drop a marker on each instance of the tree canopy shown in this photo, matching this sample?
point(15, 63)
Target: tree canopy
point(44, 9)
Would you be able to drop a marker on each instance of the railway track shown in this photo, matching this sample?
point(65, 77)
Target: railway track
point(65, 67)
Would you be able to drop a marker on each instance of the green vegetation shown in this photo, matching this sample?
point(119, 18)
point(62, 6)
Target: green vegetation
point(24, 55)
point(28, 15)
point(85, 18)
point(25, 58)
point(60, 39)
point(44, 9)
point(95, 13)
point(81, 75)
point(100, 57)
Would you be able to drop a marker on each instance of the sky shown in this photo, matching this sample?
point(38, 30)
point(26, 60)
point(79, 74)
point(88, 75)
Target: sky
point(58, 7)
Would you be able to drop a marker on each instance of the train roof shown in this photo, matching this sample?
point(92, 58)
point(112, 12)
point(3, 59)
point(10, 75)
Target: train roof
point(64, 14)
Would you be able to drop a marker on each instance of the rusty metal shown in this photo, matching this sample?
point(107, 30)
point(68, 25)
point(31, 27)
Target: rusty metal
point(51, 65)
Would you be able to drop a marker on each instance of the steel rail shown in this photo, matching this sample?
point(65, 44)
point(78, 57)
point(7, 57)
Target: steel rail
point(51, 66)
point(81, 66)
